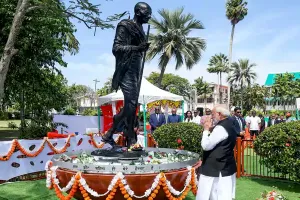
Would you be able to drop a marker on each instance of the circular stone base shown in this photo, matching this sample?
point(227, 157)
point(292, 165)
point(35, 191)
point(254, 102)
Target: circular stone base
point(138, 183)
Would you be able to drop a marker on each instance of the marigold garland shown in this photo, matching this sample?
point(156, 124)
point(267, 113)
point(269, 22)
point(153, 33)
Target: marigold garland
point(16, 144)
point(124, 188)
point(10, 152)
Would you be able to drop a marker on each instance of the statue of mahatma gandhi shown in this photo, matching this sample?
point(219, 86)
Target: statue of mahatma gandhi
point(130, 45)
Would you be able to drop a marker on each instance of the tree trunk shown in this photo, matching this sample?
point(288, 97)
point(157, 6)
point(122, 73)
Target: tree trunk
point(230, 60)
point(162, 72)
point(205, 101)
point(9, 50)
point(220, 88)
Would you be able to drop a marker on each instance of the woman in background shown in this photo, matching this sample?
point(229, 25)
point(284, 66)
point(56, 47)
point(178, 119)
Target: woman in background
point(188, 116)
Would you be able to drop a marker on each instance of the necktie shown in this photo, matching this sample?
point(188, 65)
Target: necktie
point(240, 123)
point(157, 116)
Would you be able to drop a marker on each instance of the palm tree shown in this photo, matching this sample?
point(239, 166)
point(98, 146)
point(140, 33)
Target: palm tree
point(218, 64)
point(171, 40)
point(235, 11)
point(203, 88)
point(242, 73)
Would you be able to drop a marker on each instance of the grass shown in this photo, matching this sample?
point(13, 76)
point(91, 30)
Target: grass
point(7, 134)
point(246, 189)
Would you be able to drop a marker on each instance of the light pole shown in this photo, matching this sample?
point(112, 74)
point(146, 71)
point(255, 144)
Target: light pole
point(95, 97)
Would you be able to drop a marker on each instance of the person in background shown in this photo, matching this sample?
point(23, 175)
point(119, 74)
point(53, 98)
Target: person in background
point(174, 118)
point(262, 123)
point(288, 117)
point(218, 169)
point(272, 120)
point(254, 124)
point(156, 119)
point(196, 118)
point(188, 116)
point(239, 122)
point(276, 116)
point(247, 117)
point(281, 119)
point(207, 115)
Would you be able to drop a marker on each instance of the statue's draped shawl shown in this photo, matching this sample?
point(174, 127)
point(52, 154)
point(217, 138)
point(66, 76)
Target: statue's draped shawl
point(128, 36)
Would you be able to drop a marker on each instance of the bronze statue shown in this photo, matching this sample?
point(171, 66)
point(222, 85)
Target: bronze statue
point(130, 45)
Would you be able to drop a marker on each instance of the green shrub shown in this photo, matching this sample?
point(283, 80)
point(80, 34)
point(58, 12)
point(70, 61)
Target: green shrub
point(279, 145)
point(90, 112)
point(34, 131)
point(69, 111)
point(190, 133)
point(3, 115)
point(12, 125)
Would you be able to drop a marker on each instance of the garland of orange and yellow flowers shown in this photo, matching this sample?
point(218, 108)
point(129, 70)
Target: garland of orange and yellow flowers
point(16, 144)
point(99, 146)
point(119, 180)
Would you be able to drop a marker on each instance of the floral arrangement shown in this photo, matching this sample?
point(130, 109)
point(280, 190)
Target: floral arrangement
point(272, 195)
point(17, 145)
point(180, 144)
point(77, 182)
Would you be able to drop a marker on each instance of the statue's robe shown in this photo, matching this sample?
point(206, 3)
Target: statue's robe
point(128, 59)
point(127, 73)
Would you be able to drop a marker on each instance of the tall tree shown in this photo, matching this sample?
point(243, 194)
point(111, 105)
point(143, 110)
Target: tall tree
point(77, 91)
point(235, 12)
point(82, 10)
point(204, 90)
point(172, 83)
point(218, 64)
point(106, 89)
point(286, 89)
point(171, 40)
point(242, 73)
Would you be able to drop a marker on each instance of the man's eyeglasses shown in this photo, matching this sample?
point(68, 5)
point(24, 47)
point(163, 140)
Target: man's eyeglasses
point(238, 112)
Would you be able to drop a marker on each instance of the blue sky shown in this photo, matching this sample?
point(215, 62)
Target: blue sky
point(269, 36)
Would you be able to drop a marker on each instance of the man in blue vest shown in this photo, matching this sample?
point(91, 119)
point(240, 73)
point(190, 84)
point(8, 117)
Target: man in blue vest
point(218, 169)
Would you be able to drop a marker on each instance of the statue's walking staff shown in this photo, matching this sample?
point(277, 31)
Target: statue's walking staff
point(142, 68)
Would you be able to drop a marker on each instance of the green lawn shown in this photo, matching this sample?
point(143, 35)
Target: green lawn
point(7, 134)
point(247, 189)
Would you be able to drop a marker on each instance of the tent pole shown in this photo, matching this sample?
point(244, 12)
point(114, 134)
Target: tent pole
point(98, 119)
point(182, 110)
point(145, 129)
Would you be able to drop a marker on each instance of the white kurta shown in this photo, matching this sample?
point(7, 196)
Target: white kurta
point(215, 188)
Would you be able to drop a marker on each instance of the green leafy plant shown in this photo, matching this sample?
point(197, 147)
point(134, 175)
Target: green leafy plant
point(69, 111)
point(90, 112)
point(279, 145)
point(12, 125)
point(38, 127)
point(176, 134)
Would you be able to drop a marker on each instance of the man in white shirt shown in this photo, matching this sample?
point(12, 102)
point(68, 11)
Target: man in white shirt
point(218, 169)
point(196, 118)
point(254, 124)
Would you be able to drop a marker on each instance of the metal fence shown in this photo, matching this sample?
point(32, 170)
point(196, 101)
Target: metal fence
point(253, 164)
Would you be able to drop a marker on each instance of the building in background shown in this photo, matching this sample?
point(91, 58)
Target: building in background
point(272, 103)
point(212, 99)
point(86, 102)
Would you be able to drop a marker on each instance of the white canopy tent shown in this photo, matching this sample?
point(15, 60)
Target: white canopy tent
point(148, 94)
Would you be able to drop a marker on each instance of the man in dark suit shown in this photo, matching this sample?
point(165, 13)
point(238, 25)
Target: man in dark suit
point(156, 119)
point(272, 121)
point(239, 122)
